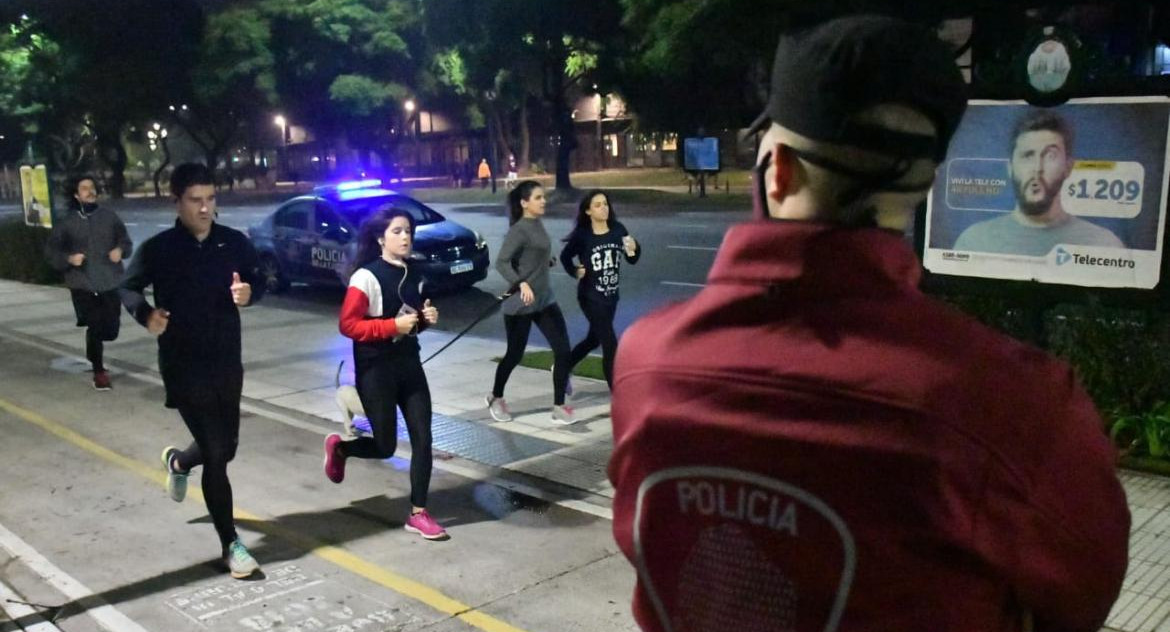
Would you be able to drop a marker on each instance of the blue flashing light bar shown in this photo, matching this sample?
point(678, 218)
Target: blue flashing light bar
point(361, 194)
point(359, 184)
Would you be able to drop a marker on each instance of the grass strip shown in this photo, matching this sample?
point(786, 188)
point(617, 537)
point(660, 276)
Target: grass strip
point(589, 367)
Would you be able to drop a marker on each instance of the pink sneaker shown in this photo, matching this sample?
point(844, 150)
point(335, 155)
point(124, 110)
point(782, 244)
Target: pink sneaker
point(334, 458)
point(423, 524)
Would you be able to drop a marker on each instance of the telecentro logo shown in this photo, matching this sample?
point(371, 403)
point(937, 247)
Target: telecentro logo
point(1064, 257)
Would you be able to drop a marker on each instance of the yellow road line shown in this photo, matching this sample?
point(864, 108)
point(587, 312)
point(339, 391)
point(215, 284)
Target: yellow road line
point(332, 554)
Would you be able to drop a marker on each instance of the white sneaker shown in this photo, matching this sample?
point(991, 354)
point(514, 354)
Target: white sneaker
point(498, 408)
point(240, 562)
point(564, 415)
point(176, 481)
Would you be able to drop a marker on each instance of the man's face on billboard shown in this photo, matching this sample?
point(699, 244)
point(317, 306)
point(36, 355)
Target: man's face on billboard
point(1040, 164)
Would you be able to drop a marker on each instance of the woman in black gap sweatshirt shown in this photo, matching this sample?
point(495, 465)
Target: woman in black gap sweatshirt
point(598, 243)
point(383, 313)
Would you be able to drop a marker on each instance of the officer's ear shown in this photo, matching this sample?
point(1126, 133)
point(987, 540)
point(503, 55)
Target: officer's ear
point(783, 164)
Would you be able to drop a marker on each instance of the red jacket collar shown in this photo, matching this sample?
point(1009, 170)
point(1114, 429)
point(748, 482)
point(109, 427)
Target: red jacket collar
point(777, 252)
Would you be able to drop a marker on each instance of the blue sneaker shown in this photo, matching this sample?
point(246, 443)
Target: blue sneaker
point(176, 480)
point(240, 562)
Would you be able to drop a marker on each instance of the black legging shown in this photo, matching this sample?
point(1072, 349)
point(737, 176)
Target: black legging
point(94, 349)
point(215, 425)
point(384, 385)
point(551, 323)
point(99, 312)
point(600, 315)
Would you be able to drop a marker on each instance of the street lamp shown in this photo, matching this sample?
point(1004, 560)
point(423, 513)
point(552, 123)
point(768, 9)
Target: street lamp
point(282, 123)
point(157, 136)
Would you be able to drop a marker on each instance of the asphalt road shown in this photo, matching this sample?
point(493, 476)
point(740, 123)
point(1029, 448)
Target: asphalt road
point(678, 249)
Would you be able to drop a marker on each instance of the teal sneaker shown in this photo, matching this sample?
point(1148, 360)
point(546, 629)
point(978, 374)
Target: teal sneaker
point(239, 561)
point(176, 480)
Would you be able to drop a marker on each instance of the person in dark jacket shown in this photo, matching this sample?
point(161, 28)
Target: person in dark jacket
point(89, 244)
point(593, 255)
point(383, 312)
point(202, 273)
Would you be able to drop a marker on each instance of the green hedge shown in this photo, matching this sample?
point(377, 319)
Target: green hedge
point(1122, 356)
point(22, 254)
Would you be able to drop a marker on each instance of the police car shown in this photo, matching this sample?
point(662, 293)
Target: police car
point(312, 238)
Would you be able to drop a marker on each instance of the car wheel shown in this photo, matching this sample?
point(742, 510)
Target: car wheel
point(274, 280)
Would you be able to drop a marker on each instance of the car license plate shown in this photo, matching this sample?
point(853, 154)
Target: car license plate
point(462, 266)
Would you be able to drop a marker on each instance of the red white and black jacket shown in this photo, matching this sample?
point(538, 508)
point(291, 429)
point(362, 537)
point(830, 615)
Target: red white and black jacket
point(377, 291)
point(812, 444)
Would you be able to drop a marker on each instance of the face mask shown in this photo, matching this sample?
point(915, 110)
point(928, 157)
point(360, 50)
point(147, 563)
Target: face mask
point(867, 183)
point(759, 190)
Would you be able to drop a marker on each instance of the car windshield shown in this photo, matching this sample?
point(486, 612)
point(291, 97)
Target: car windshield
point(358, 210)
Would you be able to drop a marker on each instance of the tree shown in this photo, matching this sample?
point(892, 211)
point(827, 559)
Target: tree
point(344, 67)
point(124, 61)
point(31, 64)
point(488, 72)
point(522, 48)
point(705, 63)
point(232, 82)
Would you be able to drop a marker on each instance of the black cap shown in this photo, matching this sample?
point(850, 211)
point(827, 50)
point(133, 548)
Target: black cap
point(824, 75)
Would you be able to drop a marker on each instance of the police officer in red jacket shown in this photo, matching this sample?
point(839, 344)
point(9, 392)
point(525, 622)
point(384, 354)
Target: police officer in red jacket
point(811, 443)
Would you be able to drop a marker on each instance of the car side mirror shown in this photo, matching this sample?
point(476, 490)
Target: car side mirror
point(337, 234)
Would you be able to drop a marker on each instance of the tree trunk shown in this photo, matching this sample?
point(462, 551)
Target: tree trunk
point(565, 150)
point(524, 160)
point(508, 134)
point(158, 172)
point(501, 139)
point(114, 154)
point(554, 92)
point(211, 155)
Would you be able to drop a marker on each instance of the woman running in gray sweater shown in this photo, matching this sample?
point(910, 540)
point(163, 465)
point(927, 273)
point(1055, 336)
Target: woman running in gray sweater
point(524, 261)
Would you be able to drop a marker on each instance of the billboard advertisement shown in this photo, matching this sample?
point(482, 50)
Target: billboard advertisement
point(34, 189)
point(701, 154)
point(1073, 194)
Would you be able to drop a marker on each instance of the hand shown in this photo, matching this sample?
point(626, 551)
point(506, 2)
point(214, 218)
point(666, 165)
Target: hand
point(430, 313)
point(241, 292)
point(630, 245)
point(156, 323)
point(526, 294)
point(406, 323)
point(76, 259)
point(116, 255)
point(580, 272)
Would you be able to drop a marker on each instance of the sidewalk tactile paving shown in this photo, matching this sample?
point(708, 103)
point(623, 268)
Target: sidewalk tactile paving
point(1144, 604)
point(481, 443)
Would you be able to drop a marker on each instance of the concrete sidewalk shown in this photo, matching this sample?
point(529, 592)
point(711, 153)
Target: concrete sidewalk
point(291, 359)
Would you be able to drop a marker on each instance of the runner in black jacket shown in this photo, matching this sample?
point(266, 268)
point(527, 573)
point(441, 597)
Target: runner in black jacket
point(89, 244)
point(598, 243)
point(202, 274)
